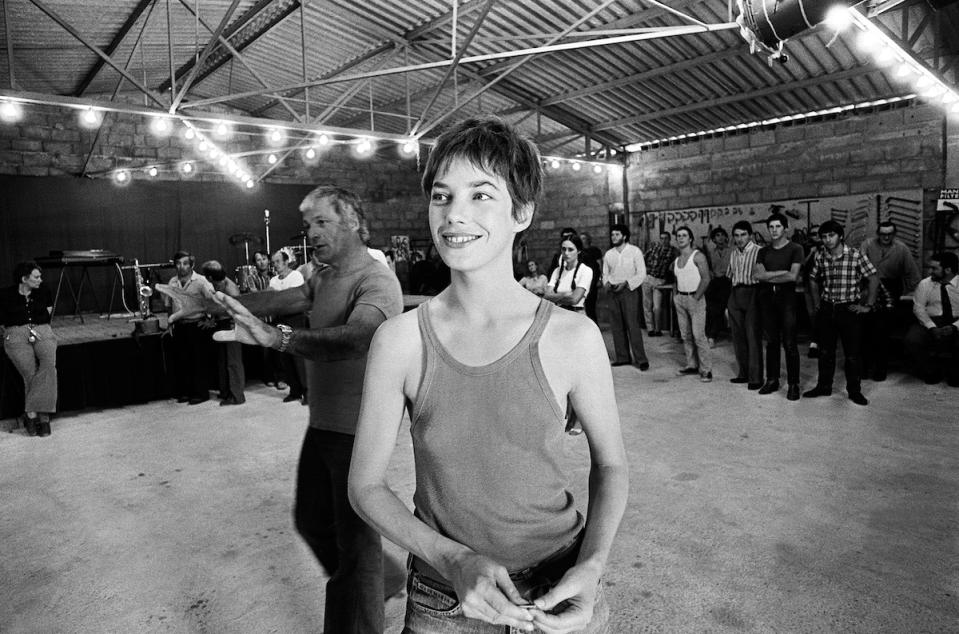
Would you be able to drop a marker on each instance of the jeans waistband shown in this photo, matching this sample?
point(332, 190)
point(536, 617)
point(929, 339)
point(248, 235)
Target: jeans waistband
point(552, 567)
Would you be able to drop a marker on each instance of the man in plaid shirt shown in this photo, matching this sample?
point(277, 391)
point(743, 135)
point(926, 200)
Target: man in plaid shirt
point(658, 260)
point(835, 281)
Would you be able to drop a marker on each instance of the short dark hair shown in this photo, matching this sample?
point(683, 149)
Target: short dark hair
point(718, 231)
point(345, 203)
point(568, 231)
point(947, 260)
point(886, 224)
point(831, 226)
point(666, 233)
point(684, 228)
point(256, 253)
point(179, 255)
point(783, 220)
point(213, 270)
point(24, 269)
point(743, 225)
point(623, 229)
point(496, 147)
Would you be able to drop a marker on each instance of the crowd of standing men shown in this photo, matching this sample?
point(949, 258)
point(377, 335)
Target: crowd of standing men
point(850, 297)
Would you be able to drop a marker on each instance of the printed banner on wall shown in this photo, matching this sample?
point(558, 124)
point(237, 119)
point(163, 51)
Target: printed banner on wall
point(947, 219)
point(858, 214)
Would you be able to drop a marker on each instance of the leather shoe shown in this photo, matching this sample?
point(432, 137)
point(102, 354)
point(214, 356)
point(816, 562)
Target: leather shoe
point(769, 387)
point(858, 398)
point(289, 398)
point(43, 429)
point(654, 333)
point(706, 377)
point(229, 401)
point(182, 399)
point(792, 393)
point(754, 386)
point(819, 390)
point(687, 371)
point(31, 424)
point(616, 364)
point(738, 379)
point(643, 366)
point(198, 400)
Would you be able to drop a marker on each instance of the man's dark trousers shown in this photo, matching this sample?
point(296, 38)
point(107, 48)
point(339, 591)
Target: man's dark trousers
point(348, 549)
point(837, 321)
point(747, 338)
point(778, 305)
point(624, 322)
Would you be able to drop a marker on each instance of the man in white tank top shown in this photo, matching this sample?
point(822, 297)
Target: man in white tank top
point(692, 278)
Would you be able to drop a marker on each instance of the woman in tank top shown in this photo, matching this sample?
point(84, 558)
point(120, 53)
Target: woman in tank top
point(484, 369)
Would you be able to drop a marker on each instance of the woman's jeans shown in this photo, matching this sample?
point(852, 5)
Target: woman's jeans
point(37, 364)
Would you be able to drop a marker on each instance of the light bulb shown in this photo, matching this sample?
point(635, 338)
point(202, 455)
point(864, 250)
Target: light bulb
point(189, 134)
point(187, 168)
point(152, 171)
point(323, 139)
point(310, 153)
point(249, 184)
point(271, 159)
point(89, 118)
point(838, 18)
point(122, 176)
point(161, 126)
point(10, 111)
point(554, 164)
point(597, 169)
point(576, 166)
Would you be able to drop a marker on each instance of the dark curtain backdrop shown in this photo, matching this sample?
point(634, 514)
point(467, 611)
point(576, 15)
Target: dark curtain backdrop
point(148, 220)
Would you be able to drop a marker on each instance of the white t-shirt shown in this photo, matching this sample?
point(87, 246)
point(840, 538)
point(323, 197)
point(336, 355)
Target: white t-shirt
point(292, 280)
point(584, 277)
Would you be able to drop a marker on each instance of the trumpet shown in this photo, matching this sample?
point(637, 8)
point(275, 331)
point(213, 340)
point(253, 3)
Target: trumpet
point(144, 292)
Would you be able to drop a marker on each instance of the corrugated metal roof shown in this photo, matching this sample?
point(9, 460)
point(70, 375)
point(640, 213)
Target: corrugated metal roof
point(614, 94)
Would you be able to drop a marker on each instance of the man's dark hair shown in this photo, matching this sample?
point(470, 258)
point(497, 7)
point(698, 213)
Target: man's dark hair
point(568, 231)
point(665, 233)
point(24, 269)
point(345, 203)
point(213, 271)
point(886, 224)
point(495, 147)
point(743, 225)
point(179, 255)
point(623, 229)
point(687, 230)
point(947, 260)
point(783, 220)
point(718, 231)
point(831, 226)
point(256, 253)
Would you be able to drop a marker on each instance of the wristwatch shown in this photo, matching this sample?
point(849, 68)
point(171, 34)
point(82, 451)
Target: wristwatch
point(286, 335)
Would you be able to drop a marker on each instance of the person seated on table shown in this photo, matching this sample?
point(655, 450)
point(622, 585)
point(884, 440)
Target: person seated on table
point(30, 344)
point(936, 307)
point(534, 281)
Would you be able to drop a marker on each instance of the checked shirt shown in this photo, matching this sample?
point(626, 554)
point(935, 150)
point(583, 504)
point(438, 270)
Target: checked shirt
point(838, 277)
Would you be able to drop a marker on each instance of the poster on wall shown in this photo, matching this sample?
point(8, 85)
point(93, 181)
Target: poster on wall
point(947, 220)
point(859, 214)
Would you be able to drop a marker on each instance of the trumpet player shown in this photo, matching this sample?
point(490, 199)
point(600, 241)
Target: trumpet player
point(229, 366)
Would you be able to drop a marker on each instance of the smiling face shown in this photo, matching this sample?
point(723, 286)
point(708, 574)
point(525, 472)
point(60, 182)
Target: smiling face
point(262, 262)
point(471, 216)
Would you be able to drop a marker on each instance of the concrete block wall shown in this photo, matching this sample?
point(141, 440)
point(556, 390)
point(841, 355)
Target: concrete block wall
point(895, 149)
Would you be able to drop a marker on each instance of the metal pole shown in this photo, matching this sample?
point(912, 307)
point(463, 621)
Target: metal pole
point(206, 52)
point(6, 28)
point(306, 91)
point(169, 41)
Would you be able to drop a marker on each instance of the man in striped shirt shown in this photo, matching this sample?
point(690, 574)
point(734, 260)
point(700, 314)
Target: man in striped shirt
point(658, 260)
point(743, 308)
point(835, 280)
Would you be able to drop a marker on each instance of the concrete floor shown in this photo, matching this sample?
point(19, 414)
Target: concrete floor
point(746, 513)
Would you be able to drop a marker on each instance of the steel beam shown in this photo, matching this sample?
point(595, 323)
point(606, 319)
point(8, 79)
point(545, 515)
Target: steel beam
point(6, 29)
point(117, 40)
point(214, 39)
point(53, 15)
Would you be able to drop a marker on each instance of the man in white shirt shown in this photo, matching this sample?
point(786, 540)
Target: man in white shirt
point(936, 306)
point(624, 271)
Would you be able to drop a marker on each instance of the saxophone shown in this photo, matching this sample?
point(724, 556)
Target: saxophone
point(143, 291)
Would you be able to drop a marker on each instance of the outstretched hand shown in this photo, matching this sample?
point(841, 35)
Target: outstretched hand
point(249, 329)
point(186, 305)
